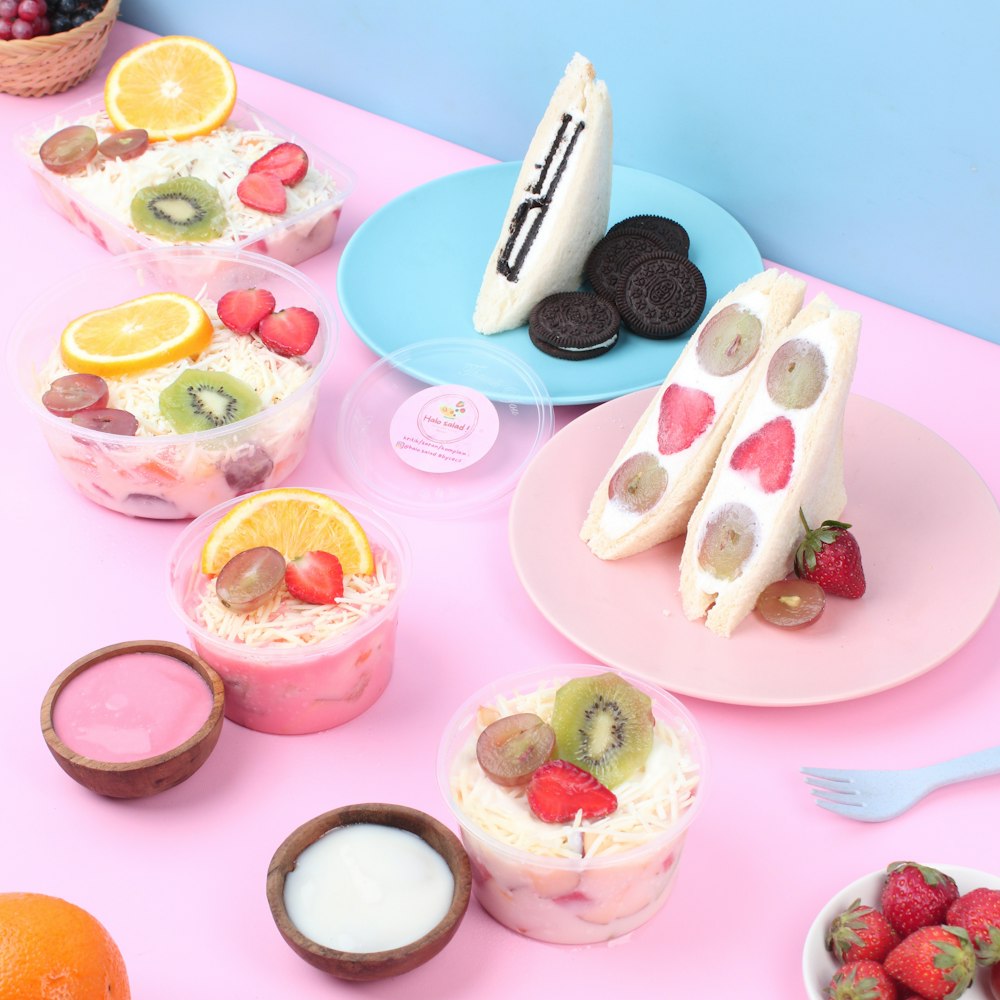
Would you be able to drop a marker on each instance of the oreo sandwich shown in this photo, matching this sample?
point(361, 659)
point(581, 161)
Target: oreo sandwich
point(661, 296)
point(559, 206)
point(674, 233)
point(615, 253)
point(574, 325)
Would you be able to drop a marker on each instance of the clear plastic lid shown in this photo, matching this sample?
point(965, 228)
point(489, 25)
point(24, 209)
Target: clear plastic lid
point(442, 428)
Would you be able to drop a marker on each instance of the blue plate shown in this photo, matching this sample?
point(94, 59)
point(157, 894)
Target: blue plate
point(412, 272)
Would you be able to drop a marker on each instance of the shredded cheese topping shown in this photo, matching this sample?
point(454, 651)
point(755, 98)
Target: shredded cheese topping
point(650, 803)
point(272, 376)
point(285, 621)
point(220, 158)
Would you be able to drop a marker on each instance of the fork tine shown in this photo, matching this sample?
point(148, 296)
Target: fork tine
point(851, 810)
point(828, 795)
point(831, 785)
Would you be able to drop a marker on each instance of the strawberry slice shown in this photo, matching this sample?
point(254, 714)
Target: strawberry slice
point(767, 454)
point(316, 578)
point(287, 161)
point(264, 192)
point(558, 790)
point(289, 332)
point(243, 308)
point(685, 414)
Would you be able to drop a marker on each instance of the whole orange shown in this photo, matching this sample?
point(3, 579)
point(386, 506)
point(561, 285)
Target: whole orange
point(53, 950)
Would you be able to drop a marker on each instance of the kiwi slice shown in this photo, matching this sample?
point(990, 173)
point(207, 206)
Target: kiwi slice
point(179, 210)
point(198, 400)
point(603, 725)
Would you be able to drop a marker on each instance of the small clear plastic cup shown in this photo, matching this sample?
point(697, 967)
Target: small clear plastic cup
point(291, 687)
point(580, 899)
point(172, 475)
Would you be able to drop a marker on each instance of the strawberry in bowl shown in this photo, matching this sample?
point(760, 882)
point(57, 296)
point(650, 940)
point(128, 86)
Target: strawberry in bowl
point(929, 931)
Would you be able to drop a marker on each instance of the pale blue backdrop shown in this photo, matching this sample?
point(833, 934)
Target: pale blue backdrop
point(857, 141)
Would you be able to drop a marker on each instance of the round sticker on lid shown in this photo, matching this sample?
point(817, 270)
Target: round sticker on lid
point(444, 428)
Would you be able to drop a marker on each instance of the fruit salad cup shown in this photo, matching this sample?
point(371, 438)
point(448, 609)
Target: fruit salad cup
point(102, 211)
point(174, 475)
point(581, 882)
point(290, 684)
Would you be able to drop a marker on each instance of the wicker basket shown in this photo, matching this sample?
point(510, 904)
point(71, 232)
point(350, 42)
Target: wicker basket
point(51, 64)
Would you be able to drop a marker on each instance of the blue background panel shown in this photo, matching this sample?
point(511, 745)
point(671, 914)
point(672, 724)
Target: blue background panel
point(857, 141)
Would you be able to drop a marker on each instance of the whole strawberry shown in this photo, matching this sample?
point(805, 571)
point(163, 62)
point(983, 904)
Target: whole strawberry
point(860, 932)
point(830, 556)
point(935, 962)
point(865, 980)
point(978, 912)
point(916, 896)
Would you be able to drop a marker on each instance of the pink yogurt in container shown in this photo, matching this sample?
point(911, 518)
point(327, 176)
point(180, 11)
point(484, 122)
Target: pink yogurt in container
point(134, 718)
point(288, 668)
point(131, 706)
point(584, 881)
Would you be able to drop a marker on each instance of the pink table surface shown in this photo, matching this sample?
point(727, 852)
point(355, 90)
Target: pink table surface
point(179, 879)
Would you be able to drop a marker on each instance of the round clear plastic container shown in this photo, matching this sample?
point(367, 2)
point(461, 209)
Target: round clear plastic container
point(569, 900)
point(172, 475)
point(291, 688)
point(442, 428)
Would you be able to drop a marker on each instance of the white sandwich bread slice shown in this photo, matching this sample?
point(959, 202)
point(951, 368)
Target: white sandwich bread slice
point(662, 469)
point(559, 208)
point(784, 452)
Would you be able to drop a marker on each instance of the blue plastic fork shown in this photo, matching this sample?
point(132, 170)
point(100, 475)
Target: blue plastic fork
point(874, 796)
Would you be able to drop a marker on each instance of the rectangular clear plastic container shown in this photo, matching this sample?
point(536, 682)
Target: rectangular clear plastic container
point(291, 239)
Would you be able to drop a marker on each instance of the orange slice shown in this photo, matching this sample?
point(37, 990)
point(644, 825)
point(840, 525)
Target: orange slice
point(294, 521)
point(174, 87)
point(134, 336)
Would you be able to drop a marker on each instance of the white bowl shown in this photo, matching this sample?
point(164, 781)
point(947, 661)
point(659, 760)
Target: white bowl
point(818, 965)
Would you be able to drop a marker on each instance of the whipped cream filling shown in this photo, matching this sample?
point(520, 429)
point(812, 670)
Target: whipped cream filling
point(735, 486)
point(617, 520)
point(650, 803)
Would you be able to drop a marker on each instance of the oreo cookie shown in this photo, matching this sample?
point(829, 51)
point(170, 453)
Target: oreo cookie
point(673, 233)
point(615, 253)
point(574, 325)
point(661, 296)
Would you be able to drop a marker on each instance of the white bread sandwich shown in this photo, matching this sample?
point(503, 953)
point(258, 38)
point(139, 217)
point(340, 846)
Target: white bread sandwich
point(784, 452)
point(665, 463)
point(559, 208)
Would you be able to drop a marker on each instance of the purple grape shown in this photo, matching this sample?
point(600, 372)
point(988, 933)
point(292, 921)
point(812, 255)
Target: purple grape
point(250, 578)
point(248, 469)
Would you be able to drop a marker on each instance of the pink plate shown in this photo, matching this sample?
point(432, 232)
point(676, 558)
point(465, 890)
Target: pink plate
point(903, 481)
